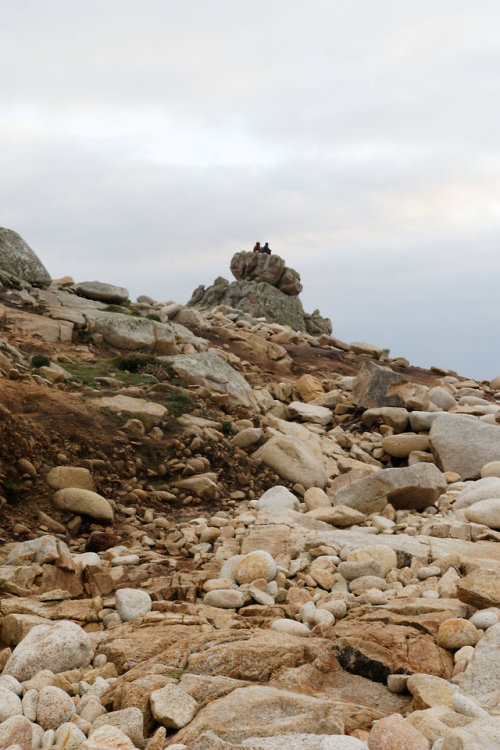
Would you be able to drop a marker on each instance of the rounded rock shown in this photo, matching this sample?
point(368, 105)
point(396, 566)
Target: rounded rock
point(384, 556)
point(486, 512)
point(69, 736)
point(54, 707)
point(107, 737)
point(292, 627)
point(132, 603)
point(60, 647)
point(10, 704)
point(16, 731)
point(484, 619)
point(491, 469)
point(394, 733)
point(341, 742)
point(257, 564)
point(83, 502)
point(456, 632)
point(224, 598)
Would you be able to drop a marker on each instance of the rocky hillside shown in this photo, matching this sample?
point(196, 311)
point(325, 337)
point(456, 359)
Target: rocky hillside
point(218, 531)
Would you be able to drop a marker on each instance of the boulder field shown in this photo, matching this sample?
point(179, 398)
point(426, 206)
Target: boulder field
point(221, 531)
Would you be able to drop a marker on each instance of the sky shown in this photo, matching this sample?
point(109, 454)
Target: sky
point(143, 142)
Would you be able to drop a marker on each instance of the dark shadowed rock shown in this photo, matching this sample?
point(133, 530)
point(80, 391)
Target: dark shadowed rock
point(377, 386)
point(18, 259)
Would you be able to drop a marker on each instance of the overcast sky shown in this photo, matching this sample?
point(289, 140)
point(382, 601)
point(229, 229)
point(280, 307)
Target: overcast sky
point(143, 142)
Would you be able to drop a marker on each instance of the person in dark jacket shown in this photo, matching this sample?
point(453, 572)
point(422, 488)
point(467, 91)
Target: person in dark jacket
point(257, 248)
point(266, 249)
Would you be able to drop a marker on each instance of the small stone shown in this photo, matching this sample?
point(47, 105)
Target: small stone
point(10, 704)
point(466, 706)
point(30, 701)
point(484, 620)
point(69, 736)
point(491, 469)
point(486, 512)
point(396, 683)
point(128, 720)
point(10, 683)
point(132, 603)
point(463, 654)
point(107, 738)
point(428, 571)
point(54, 707)
point(456, 632)
point(394, 733)
point(292, 627)
point(224, 598)
point(257, 564)
point(172, 706)
point(315, 497)
point(16, 730)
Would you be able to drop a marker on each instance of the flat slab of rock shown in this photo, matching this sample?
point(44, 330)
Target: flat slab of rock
point(416, 486)
point(481, 588)
point(18, 259)
point(210, 370)
point(291, 459)
point(102, 292)
point(310, 412)
point(134, 406)
point(464, 444)
point(129, 332)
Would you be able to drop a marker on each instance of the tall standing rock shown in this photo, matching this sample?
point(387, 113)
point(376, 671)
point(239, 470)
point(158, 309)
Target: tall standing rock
point(377, 386)
point(18, 259)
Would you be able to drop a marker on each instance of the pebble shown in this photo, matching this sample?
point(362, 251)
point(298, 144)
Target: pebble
point(68, 736)
point(54, 707)
point(293, 627)
point(16, 730)
point(428, 571)
point(10, 683)
point(484, 619)
point(394, 733)
point(30, 700)
point(466, 706)
point(224, 598)
point(256, 564)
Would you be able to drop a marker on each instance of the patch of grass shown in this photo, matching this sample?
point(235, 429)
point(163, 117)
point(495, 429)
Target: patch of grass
point(136, 362)
point(226, 428)
point(40, 360)
point(87, 372)
point(153, 316)
point(117, 309)
point(179, 403)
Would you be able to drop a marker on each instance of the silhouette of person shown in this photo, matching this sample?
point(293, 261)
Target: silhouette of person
point(266, 249)
point(257, 248)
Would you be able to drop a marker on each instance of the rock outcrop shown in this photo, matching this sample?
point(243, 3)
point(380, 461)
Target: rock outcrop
point(265, 288)
point(17, 259)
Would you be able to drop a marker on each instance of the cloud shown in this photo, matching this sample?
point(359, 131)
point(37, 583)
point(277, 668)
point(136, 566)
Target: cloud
point(144, 143)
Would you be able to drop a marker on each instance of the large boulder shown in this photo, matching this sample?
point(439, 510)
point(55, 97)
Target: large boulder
point(262, 711)
point(58, 647)
point(292, 460)
point(482, 734)
point(268, 268)
point(376, 386)
point(18, 259)
point(482, 675)
point(210, 370)
point(129, 332)
point(97, 290)
point(464, 444)
point(416, 486)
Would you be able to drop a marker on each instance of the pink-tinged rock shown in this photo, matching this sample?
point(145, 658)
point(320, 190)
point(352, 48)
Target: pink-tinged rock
point(394, 733)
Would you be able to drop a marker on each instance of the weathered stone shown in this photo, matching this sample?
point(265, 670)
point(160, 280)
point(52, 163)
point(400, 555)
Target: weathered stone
point(429, 690)
point(442, 398)
point(61, 477)
point(248, 437)
point(37, 551)
point(18, 259)
point(108, 737)
point(60, 647)
point(53, 708)
point(486, 512)
point(394, 733)
point(400, 446)
point(375, 386)
point(483, 734)
point(10, 704)
point(132, 603)
point(210, 370)
point(238, 715)
point(309, 388)
point(69, 736)
point(224, 598)
point(278, 497)
point(172, 706)
point(102, 292)
point(474, 492)
point(128, 720)
point(257, 564)
point(85, 502)
point(129, 332)
point(393, 416)
point(464, 444)
point(149, 410)
point(292, 460)
point(310, 413)
point(339, 515)
point(482, 674)
point(415, 486)
point(481, 588)
point(16, 731)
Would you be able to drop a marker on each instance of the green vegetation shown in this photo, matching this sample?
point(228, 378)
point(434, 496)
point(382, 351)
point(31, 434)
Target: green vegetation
point(136, 362)
point(117, 309)
point(40, 360)
point(87, 372)
point(226, 428)
point(179, 403)
point(153, 316)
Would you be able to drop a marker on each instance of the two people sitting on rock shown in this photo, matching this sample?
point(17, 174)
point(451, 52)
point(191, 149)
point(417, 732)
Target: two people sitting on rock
point(258, 249)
